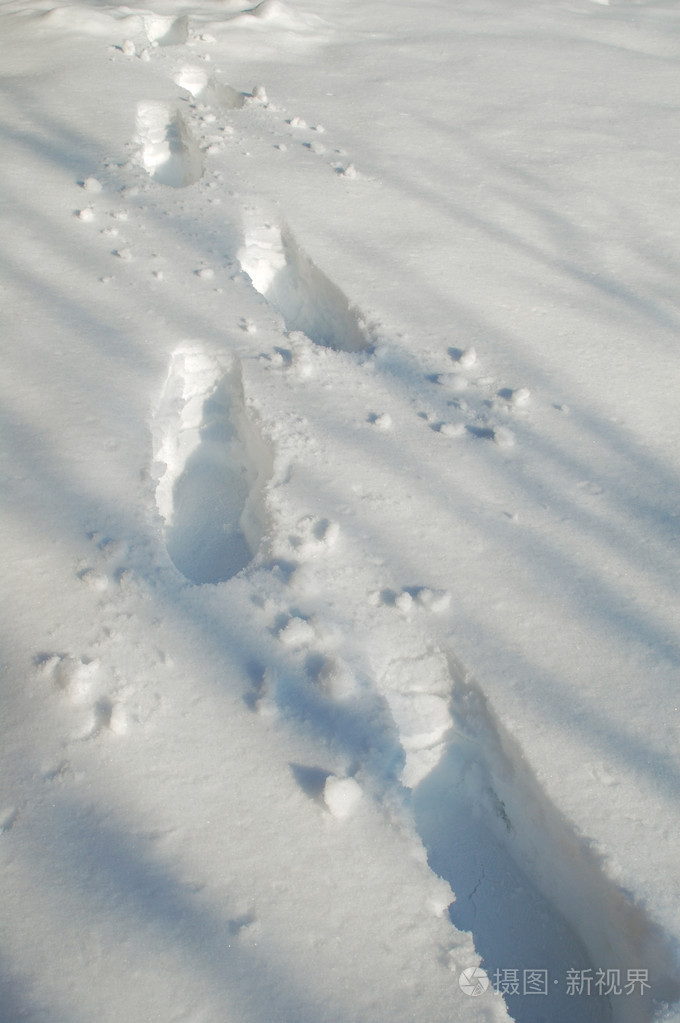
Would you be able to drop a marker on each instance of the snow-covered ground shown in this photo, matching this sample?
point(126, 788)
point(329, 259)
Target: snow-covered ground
point(341, 641)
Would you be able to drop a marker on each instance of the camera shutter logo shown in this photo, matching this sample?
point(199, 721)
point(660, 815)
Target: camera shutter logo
point(473, 981)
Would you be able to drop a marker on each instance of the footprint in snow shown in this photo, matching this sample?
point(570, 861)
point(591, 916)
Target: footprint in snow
point(308, 300)
point(167, 150)
point(531, 890)
point(211, 467)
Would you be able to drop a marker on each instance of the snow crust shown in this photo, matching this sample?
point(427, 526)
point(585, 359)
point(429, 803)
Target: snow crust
point(340, 519)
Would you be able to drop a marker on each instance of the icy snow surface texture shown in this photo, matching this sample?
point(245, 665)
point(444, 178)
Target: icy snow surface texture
point(340, 523)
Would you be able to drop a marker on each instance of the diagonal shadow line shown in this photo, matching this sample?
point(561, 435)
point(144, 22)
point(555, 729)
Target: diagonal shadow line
point(660, 769)
point(641, 466)
point(444, 497)
point(119, 886)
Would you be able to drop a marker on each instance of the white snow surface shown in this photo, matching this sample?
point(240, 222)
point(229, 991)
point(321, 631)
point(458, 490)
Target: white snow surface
point(340, 464)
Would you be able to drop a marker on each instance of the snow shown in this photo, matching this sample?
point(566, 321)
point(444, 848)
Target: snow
point(341, 795)
point(340, 525)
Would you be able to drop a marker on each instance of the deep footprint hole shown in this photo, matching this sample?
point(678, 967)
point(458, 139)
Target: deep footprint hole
point(214, 467)
point(168, 152)
point(534, 896)
point(307, 299)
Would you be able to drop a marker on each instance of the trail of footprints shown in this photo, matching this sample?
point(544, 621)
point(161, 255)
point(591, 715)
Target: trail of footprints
point(212, 467)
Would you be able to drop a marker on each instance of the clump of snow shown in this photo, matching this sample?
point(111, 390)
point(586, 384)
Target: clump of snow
point(74, 676)
point(433, 600)
point(297, 632)
point(91, 184)
point(467, 358)
point(521, 396)
point(382, 420)
point(454, 382)
point(503, 437)
point(452, 429)
point(341, 796)
point(403, 602)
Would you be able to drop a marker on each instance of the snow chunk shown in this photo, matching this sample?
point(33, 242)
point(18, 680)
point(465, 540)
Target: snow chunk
point(503, 437)
point(75, 676)
point(341, 795)
point(194, 80)
point(521, 396)
point(452, 429)
point(86, 215)
point(94, 580)
point(91, 184)
point(383, 421)
point(297, 632)
point(453, 382)
point(128, 48)
point(118, 719)
point(404, 602)
point(434, 600)
point(467, 358)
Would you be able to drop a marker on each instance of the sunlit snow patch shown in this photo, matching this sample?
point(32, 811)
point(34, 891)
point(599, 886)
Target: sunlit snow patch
point(211, 466)
point(341, 796)
point(308, 301)
point(168, 151)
